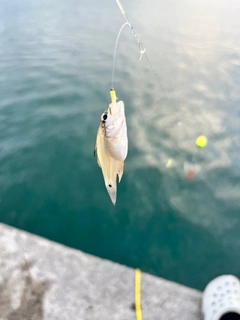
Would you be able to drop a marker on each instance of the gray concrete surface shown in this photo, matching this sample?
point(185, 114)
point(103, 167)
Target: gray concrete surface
point(40, 279)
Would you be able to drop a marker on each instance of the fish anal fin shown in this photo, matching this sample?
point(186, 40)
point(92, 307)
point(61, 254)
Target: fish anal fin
point(120, 170)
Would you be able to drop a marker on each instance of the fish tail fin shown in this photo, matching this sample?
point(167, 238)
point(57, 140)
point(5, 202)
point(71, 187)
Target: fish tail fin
point(112, 191)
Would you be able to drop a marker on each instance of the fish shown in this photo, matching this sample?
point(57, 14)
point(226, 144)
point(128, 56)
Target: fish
point(111, 145)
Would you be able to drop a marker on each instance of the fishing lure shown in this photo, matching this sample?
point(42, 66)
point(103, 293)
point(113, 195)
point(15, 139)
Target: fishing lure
point(112, 144)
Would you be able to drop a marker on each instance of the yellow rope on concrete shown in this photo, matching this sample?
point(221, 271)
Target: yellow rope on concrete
point(138, 294)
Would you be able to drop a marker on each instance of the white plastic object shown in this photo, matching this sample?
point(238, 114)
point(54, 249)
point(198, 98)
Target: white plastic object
point(221, 296)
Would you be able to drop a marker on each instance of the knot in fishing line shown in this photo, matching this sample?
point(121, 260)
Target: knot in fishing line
point(142, 51)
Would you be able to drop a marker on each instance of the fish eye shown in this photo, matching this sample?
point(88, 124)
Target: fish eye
point(104, 116)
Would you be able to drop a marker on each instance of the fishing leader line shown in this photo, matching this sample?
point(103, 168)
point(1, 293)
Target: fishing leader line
point(141, 48)
point(115, 51)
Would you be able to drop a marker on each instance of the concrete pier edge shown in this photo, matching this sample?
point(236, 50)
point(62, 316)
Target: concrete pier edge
point(44, 280)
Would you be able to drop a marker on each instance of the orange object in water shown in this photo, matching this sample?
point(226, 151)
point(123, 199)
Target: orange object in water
point(190, 174)
point(190, 170)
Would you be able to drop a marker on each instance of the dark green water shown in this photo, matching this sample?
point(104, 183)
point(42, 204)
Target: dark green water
point(55, 63)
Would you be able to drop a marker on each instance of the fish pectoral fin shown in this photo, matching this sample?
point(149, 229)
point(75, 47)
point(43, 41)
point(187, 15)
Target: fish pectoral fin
point(99, 149)
point(98, 162)
point(96, 155)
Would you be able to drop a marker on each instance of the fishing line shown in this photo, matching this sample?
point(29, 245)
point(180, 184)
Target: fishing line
point(115, 50)
point(142, 52)
point(141, 48)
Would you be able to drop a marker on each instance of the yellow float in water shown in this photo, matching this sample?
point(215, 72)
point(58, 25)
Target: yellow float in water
point(201, 142)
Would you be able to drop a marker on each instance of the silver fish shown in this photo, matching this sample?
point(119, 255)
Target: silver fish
point(112, 145)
